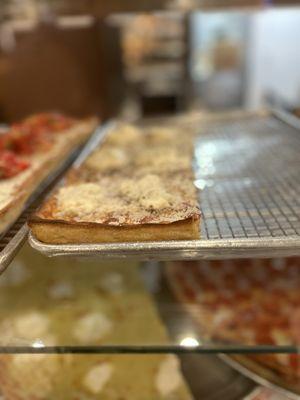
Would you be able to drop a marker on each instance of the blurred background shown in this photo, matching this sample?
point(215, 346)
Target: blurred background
point(84, 57)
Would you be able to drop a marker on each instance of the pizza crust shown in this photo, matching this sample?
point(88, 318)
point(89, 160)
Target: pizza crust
point(55, 232)
point(126, 203)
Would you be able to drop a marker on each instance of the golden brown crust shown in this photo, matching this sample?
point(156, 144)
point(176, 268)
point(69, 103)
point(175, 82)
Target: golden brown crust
point(57, 232)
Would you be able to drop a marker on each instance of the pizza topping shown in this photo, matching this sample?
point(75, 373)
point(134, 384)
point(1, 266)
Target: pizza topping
point(80, 199)
point(222, 317)
point(31, 326)
point(283, 359)
point(262, 308)
point(34, 134)
point(107, 159)
point(33, 375)
point(22, 140)
point(11, 164)
point(281, 337)
point(85, 200)
point(61, 290)
point(5, 141)
point(112, 283)
point(92, 327)
point(97, 377)
point(47, 122)
point(168, 378)
point(123, 135)
point(159, 135)
point(25, 360)
point(149, 191)
point(122, 201)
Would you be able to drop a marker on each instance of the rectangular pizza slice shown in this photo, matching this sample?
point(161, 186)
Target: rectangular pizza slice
point(134, 187)
point(115, 208)
point(31, 150)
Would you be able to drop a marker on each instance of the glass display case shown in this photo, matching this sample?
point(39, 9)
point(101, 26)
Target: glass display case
point(227, 301)
point(93, 328)
point(214, 317)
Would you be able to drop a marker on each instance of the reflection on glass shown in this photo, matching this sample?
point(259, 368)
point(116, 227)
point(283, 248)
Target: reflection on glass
point(189, 342)
point(246, 302)
point(38, 344)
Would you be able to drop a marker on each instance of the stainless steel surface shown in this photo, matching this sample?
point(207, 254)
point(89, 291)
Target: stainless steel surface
point(211, 379)
point(247, 168)
point(16, 235)
point(263, 376)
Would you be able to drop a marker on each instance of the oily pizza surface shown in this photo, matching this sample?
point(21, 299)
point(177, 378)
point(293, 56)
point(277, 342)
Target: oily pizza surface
point(251, 302)
point(29, 151)
point(124, 192)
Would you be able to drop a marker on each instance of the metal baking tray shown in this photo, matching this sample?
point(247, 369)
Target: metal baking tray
point(263, 376)
point(218, 380)
point(248, 171)
point(15, 236)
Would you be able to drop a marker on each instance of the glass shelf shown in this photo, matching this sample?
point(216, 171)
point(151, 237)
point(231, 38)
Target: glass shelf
point(76, 306)
point(75, 311)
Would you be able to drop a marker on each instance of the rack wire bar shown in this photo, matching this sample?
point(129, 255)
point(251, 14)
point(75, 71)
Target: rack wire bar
point(248, 171)
point(148, 349)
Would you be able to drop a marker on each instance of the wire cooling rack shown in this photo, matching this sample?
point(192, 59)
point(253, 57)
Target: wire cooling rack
point(248, 173)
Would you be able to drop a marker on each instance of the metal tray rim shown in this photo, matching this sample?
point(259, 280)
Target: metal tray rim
point(190, 248)
point(225, 248)
point(258, 378)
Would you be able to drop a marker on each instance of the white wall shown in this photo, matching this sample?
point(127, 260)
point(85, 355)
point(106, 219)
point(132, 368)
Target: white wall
point(274, 56)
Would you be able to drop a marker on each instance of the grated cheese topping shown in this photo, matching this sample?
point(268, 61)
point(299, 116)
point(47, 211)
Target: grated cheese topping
point(160, 135)
point(85, 200)
point(97, 377)
point(92, 327)
point(168, 378)
point(107, 159)
point(119, 201)
point(148, 191)
point(125, 134)
point(29, 326)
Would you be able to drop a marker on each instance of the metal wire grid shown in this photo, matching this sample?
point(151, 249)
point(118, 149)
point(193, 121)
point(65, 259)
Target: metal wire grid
point(249, 172)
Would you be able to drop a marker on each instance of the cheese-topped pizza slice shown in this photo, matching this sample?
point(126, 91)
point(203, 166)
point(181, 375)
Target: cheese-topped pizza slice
point(141, 207)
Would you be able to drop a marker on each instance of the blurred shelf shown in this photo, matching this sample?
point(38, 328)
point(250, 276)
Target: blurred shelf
point(39, 289)
point(55, 306)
